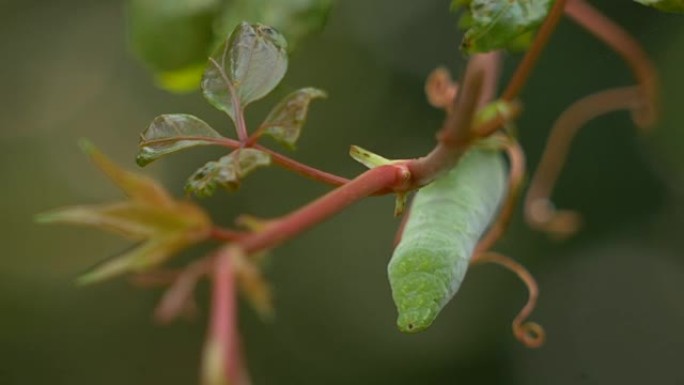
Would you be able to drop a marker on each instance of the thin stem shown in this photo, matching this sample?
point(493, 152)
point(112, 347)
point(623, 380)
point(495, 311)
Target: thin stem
point(302, 169)
point(629, 49)
point(524, 69)
point(516, 174)
point(531, 334)
point(539, 211)
point(280, 230)
point(278, 158)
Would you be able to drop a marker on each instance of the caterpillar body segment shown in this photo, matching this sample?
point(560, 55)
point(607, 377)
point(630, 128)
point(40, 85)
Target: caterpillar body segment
point(447, 219)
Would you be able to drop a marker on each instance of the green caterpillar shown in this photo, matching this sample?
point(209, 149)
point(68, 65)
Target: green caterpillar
point(447, 219)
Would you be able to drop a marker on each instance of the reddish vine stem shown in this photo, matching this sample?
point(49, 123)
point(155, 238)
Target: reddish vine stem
point(522, 72)
point(372, 181)
point(492, 72)
point(539, 211)
point(302, 169)
point(221, 361)
point(455, 136)
point(629, 49)
point(531, 334)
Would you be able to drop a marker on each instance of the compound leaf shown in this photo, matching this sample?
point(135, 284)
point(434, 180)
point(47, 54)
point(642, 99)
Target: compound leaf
point(164, 225)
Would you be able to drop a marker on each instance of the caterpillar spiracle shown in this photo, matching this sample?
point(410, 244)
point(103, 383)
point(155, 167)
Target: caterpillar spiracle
point(446, 220)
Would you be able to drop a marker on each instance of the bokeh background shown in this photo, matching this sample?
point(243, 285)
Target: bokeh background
point(611, 297)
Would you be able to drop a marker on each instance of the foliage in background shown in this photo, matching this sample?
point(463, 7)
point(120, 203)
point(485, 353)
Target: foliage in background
point(173, 38)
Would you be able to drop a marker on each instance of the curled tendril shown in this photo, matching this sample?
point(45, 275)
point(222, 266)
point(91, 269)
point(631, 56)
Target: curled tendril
point(539, 210)
point(516, 175)
point(530, 334)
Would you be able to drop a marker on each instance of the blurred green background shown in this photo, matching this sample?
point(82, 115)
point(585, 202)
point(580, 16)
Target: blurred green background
point(611, 298)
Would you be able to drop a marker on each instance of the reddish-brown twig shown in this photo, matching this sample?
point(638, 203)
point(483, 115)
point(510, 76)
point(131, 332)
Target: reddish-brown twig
point(366, 184)
point(455, 136)
point(524, 69)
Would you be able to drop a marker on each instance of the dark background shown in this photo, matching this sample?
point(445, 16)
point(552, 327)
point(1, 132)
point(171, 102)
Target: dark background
point(611, 297)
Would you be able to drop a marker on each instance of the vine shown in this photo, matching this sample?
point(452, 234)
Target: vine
point(249, 65)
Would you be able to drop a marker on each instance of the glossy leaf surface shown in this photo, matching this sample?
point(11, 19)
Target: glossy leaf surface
point(499, 24)
point(173, 132)
point(245, 68)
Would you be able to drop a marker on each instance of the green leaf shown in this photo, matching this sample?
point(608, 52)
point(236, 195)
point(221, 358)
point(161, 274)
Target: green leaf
point(296, 19)
point(674, 6)
point(245, 68)
point(172, 37)
point(284, 122)
point(497, 24)
point(226, 172)
point(174, 132)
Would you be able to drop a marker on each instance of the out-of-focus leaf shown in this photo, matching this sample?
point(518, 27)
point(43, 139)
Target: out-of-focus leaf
point(227, 172)
point(138, 187)
point(164, 225)
point(172, 37)
point(294, 18)
point(284, 122)
point(245, 68)
point(142, 257)
point(676, 6)
point(183, 80)
point(129, 219)
point(174, 132)
point(497, 24)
